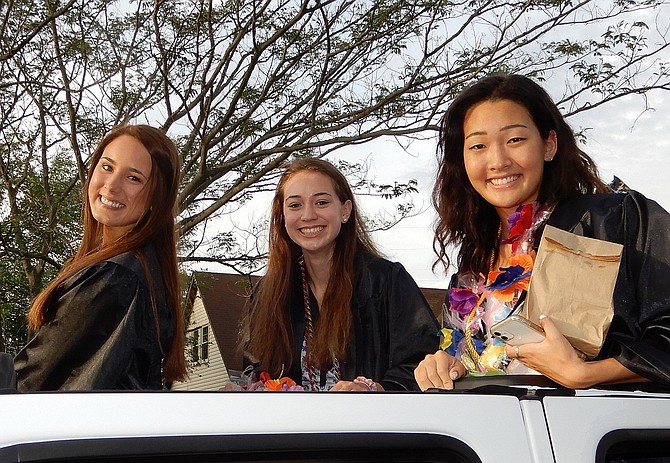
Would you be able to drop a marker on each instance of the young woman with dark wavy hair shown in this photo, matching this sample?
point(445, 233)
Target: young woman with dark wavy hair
point(505, 153)
point(330, 313)
point(111, 319)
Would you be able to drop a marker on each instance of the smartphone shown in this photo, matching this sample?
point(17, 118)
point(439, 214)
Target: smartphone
point(516, 330)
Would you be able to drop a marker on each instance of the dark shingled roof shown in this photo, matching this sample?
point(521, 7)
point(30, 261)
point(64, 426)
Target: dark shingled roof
point(225, 296)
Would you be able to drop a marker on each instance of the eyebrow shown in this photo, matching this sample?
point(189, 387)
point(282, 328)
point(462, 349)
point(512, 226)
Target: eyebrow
point(507, 127)
point(132, 169)
point(320, 193)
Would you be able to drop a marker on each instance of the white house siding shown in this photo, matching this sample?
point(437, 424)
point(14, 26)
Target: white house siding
point(212, 374)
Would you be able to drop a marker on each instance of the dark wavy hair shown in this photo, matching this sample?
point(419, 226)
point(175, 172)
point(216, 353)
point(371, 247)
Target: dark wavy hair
point(157, 226)
point(266, 332)
point(465, 219)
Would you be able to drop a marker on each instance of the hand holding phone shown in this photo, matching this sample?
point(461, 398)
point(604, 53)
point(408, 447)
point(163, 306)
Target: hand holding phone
point(516, 330)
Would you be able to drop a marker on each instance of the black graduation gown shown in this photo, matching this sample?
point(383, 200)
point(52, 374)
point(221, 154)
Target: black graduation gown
point(639, 336)
point(100, 331)
point(393, 327)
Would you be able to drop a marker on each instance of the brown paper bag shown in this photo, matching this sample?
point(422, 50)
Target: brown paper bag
point(573, 283)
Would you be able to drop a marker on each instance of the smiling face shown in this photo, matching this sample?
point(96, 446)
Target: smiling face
point(117, 191)
point(504, 154)
point(313, 212)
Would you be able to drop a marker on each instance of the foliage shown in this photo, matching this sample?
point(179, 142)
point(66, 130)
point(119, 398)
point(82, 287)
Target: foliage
point(242, 86)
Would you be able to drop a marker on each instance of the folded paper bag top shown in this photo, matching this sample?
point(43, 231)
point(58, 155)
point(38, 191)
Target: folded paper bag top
point(573, 283)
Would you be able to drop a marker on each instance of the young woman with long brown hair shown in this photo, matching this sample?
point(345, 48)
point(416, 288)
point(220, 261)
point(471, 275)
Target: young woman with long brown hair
point(111, 319)
point(330, 313)
point(509, 164)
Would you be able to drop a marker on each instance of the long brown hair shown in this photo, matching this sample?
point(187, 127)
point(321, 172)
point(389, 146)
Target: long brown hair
point(267, 329)
point(157, 226)
point(465, 219)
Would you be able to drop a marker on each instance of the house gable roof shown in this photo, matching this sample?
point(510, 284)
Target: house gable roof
point(224, 297)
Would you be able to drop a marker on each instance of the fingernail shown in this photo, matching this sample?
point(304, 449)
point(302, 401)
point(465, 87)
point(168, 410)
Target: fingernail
point(542, 316)
point(454, 375)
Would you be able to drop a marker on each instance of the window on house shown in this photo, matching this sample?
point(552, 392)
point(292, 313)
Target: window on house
point(204, 350)
point(199, 343)
point(192, 336)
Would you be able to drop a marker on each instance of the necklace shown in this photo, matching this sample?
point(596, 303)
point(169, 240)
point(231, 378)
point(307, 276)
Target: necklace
point(493, 252)
point(313, 374)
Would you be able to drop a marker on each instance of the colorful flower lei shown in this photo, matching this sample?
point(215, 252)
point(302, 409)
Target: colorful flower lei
point(282, 384)
point(474, 306)
point(264, 382)
point(511, 280)
point(518, 222)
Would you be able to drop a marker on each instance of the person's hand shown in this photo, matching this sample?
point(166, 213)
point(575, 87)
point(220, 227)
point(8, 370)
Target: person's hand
point(438, 370)
point(554, 357)
point(352, 386)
